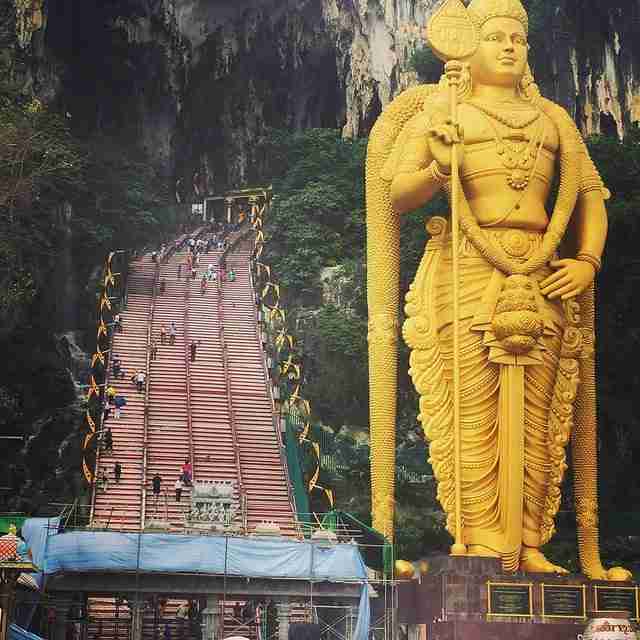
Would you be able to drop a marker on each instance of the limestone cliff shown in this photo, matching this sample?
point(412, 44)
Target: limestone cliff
point(197, 83)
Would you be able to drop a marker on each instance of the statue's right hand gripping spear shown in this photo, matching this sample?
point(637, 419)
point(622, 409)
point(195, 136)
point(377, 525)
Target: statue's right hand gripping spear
point(453, 37)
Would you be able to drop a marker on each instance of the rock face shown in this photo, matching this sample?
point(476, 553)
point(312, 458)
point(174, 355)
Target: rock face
point(259, 64)
point(198, 83)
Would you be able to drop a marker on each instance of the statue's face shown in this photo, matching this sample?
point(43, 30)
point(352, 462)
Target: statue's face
point(501, 58)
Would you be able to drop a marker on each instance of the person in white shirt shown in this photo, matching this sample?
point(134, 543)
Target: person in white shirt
point(178, 487)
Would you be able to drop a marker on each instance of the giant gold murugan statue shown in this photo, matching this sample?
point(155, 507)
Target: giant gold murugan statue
point(500, 322)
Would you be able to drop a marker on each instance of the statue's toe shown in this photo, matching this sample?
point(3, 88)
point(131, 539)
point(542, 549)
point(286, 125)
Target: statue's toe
point(619, 574)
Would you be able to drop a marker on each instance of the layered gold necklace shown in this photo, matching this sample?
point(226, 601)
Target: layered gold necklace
point(519, 156)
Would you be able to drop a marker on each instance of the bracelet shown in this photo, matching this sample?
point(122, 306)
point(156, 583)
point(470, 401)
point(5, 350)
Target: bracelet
point(594, 261)
point(437, 174)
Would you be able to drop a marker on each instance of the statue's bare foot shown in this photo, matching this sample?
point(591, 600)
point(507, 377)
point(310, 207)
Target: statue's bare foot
point(533, 561)
point(614, 574)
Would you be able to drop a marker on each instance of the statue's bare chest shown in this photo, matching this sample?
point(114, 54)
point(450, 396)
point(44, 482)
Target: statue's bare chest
point(497, 128)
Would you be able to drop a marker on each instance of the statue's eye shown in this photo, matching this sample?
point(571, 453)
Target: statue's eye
point(494, 37)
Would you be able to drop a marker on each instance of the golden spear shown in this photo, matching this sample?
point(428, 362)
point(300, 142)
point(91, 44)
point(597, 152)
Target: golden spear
point(453, 37)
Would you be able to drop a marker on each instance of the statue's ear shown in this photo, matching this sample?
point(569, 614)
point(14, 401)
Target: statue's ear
point(451, 33)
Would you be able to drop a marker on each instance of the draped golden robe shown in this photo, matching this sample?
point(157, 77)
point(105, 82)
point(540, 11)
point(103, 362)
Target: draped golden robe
point(506, 398)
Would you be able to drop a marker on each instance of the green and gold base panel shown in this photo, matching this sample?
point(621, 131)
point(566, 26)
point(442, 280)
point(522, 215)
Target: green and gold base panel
point(467, 598)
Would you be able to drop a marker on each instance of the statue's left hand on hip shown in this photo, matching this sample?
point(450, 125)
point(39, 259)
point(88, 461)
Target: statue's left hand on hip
point(571, 278)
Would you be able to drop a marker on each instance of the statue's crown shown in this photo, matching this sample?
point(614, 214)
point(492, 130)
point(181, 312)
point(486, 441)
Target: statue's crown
point(482, 10)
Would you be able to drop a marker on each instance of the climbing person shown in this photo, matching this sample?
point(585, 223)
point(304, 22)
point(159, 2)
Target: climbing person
point(193, 345)
point(117, 323)
point(139, 378)
point(179, 270)
point(211, 270)
point(111, 393)
point(163, 333)
point(187, 472)
point(107, 442)
point(116, 366)
point(203, 285)
point(156, 483)
point(153, 349)
point(118, 402)
point(194, 273)
point(103, 481)
point(106, 411)
point(178, 487)
point(117, 471)
point(232, 275)
point(172, 332)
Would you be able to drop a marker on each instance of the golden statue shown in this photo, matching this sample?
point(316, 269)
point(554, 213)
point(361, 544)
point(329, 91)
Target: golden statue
point(500, 315)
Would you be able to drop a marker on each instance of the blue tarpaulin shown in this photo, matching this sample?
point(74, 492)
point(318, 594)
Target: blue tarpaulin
point(18, 633)
point(110, 551)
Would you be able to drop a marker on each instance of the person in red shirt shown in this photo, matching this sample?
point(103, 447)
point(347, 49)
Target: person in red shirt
point(187, 471)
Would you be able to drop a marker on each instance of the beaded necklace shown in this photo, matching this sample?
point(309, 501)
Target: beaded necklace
point(519, 160)
point(510, 121)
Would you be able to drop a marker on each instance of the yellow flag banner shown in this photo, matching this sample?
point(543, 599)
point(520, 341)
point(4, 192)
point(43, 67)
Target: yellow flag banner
point(93, 389)
point(314, 478)
point(88, 474)
point(105, 302)
point(87, 439)
point(98, 356)
point(102, 329)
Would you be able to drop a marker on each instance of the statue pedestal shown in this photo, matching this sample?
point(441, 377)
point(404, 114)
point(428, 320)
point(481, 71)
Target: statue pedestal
point(465, 598)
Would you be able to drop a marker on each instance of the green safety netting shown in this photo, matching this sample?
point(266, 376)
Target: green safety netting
point(295, 473)
point(7, 520)
point(376, 550)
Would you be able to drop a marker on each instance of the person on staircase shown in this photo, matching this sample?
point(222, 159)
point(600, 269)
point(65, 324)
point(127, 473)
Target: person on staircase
point(103, 481)
point(153, 349)
point(163, 333)
point(232, 275)
point(173, 330)
point(118, 402)
point(117, 323)
point(187, 472)
point(139, 378)
point(193, 345)
point(117, 471)
point(156, 485)
point(179, 270)
point(116, 366)
point(111, 393)
point(194, 273)
point(211, 272)
point(108, 441)
point(178, 488)
point(203, 284)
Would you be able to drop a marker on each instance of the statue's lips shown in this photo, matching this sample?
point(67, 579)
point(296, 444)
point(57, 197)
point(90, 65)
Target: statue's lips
point(507, 60)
